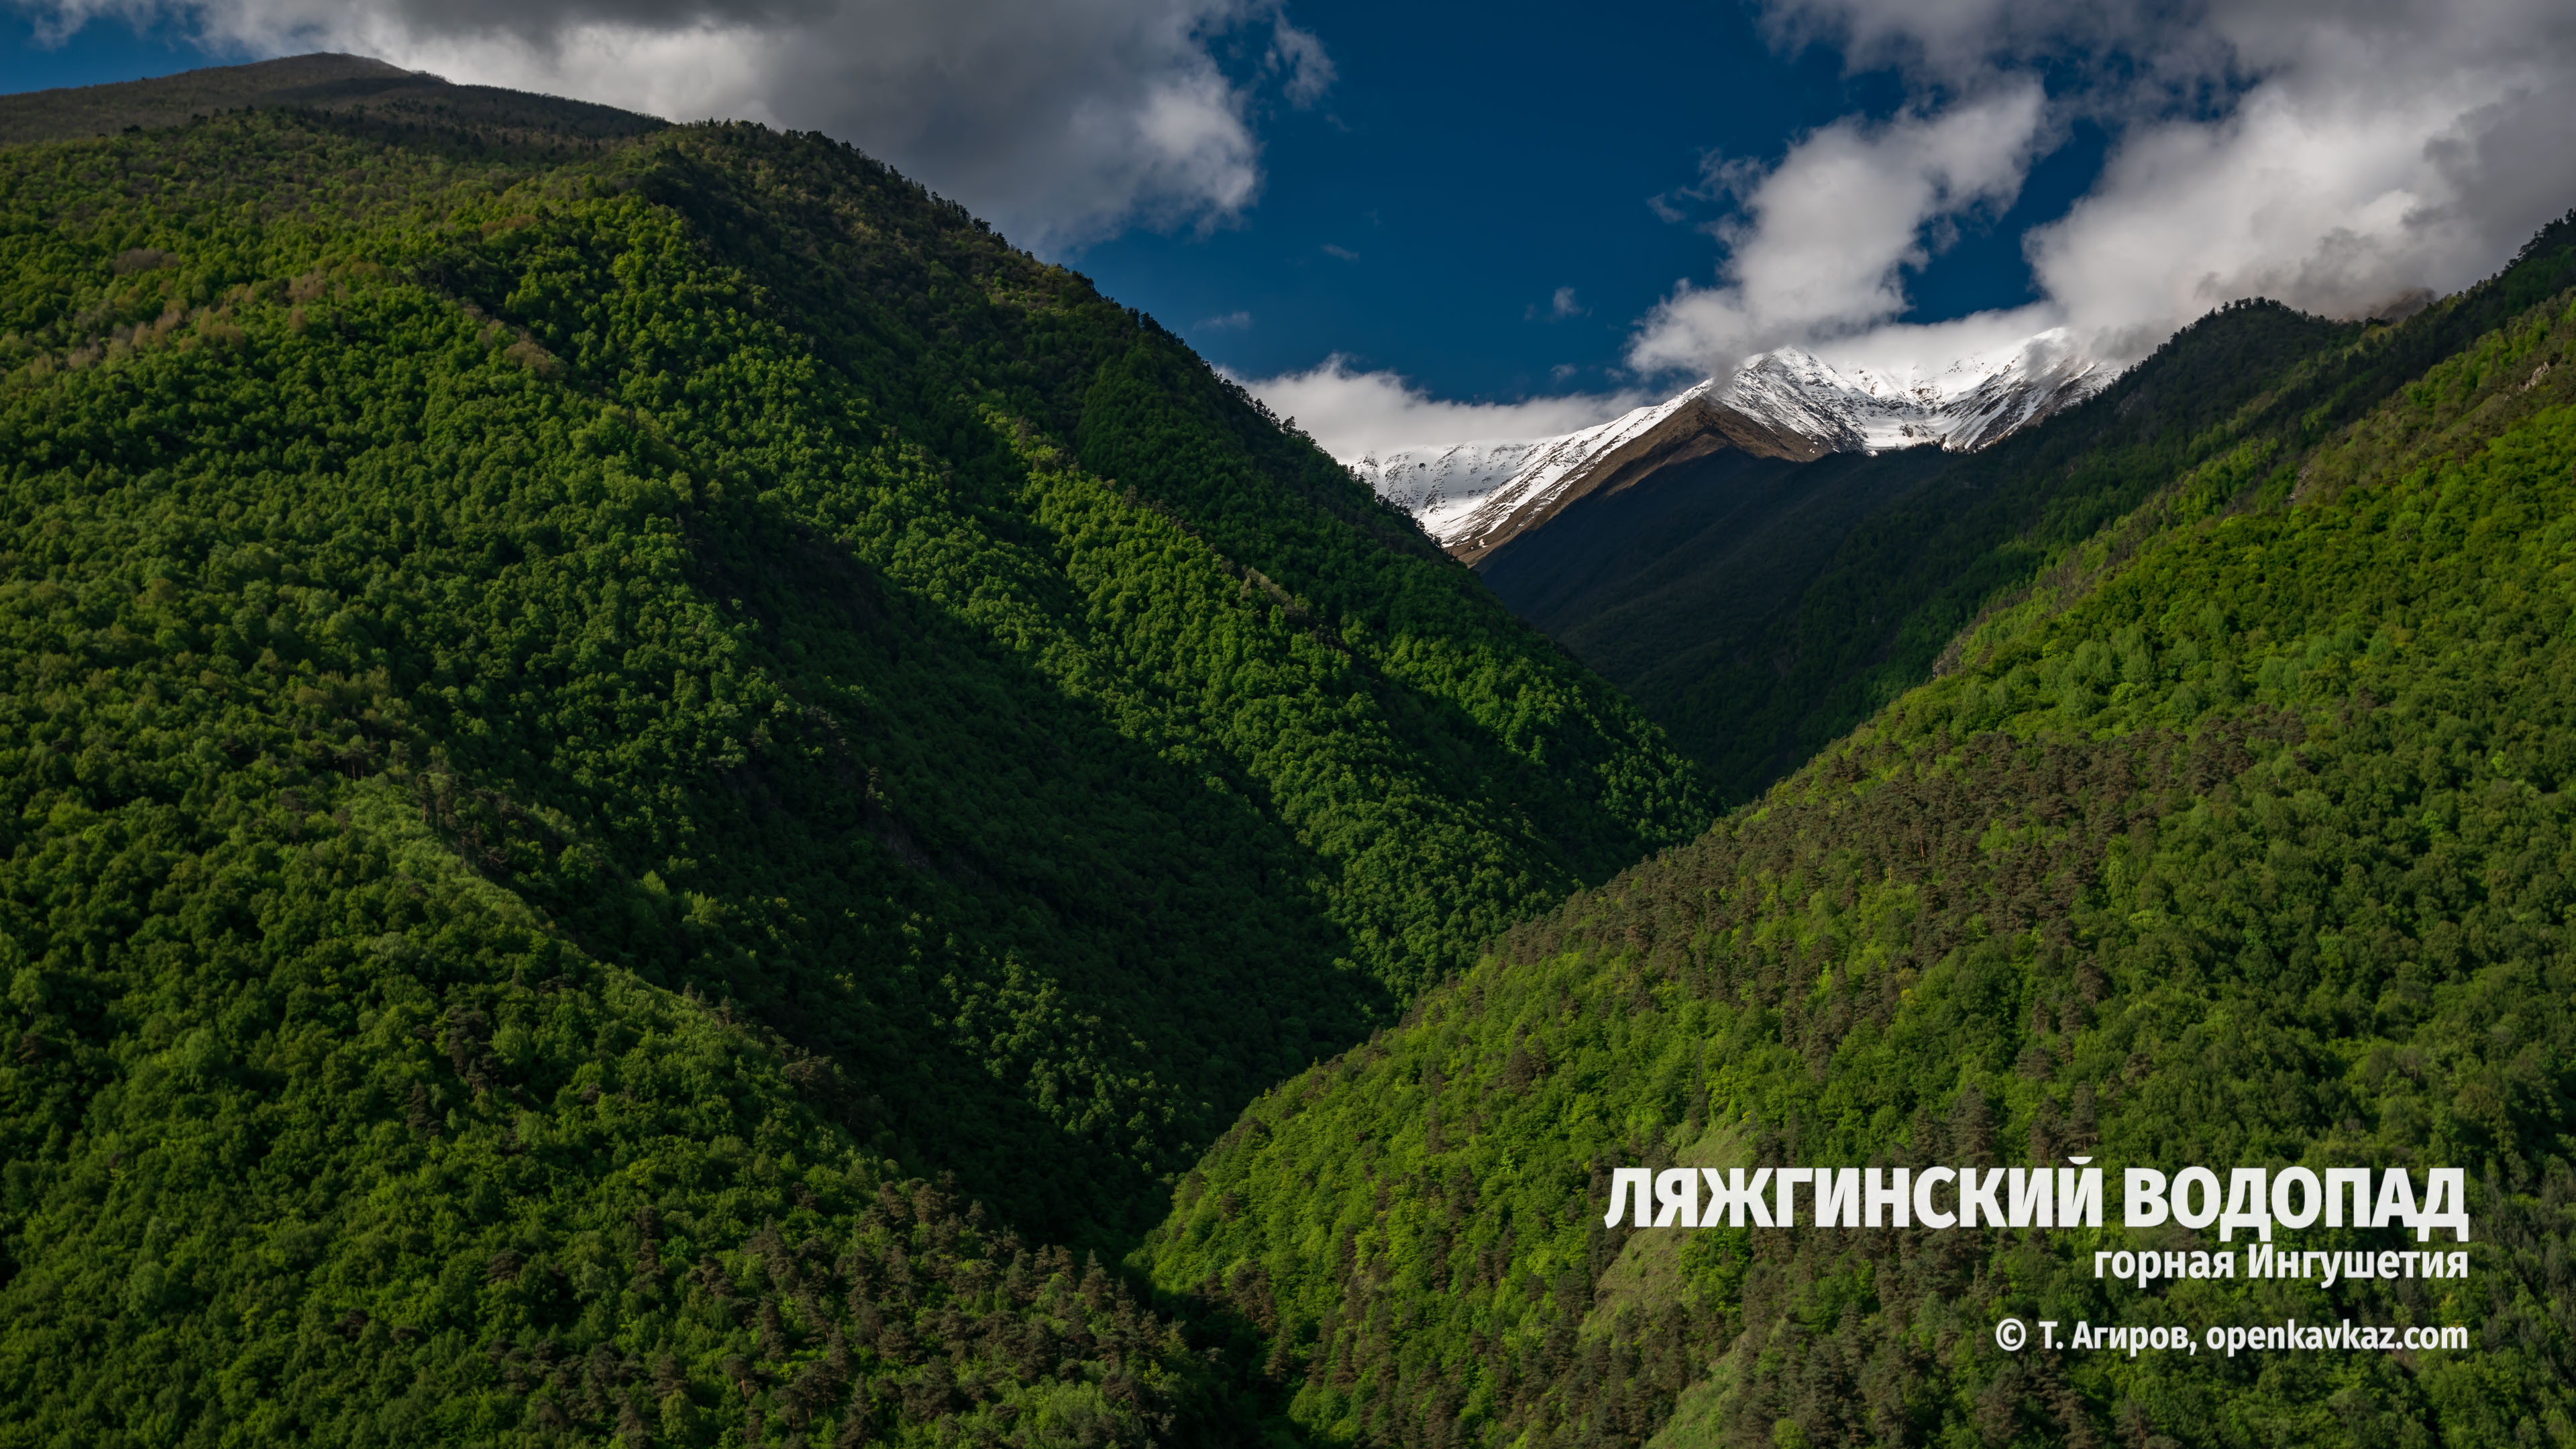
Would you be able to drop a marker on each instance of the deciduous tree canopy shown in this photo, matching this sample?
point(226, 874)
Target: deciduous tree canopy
point(2243, 838)
point(583, 713)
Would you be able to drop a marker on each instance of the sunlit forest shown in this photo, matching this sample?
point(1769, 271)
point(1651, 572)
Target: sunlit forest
point(658, 784)
point(2239, 836)
point(659, 793)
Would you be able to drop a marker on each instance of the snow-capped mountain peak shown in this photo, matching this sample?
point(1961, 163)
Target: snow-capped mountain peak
point(1462, 495)
point(1789, 403)
point(1964, 406)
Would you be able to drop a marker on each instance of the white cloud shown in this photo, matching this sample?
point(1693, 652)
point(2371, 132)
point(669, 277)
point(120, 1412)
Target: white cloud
point(2334, 156)
point(1062, 122)
point(1897, 347)
point(1299, 58)
point(1963, 42)
point(1559, 307)
point(1354, 413)
point(1822, 242)
point(1820, 249)
point(2340, 157)
point(2343, 158)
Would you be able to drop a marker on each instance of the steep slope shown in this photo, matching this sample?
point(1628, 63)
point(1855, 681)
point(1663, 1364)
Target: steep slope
point(583, 712)
point(1751, 679)
point(381, 1158)
point(1551, 473)
point(2245, 839)
point(1477, 497)
point(1893, 554)
point(1663, 578)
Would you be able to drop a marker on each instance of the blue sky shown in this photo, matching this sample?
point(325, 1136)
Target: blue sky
point(98, 52)
point(1512, 218)
point(1425, 215)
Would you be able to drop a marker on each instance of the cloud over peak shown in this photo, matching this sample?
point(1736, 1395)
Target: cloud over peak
point(2347, 159)
point(1355, 413)
point(2341, 158)
point(1821, 242)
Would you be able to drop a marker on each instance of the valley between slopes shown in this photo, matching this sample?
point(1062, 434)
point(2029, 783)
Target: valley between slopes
point(658, 793)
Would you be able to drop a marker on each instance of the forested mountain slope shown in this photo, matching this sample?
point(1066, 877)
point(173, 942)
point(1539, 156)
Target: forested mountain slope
point(323, 84)
point(1880, 562)
point(582, 710)
point(2244, 839)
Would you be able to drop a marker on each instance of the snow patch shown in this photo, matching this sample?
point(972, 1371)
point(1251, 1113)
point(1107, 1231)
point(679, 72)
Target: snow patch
point(1441, 485)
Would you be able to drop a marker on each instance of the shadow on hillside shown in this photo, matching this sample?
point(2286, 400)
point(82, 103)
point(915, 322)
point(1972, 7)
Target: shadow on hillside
point(1133, 948)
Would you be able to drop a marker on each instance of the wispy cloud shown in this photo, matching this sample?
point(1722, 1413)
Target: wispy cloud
point(1298, 58)
point(1342, 252)
point(2338, 157)
point(1229, 322)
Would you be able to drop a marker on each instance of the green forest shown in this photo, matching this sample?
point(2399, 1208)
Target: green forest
point(660, 794)
point(575, 705)
point(2241, 839)
point(1775, 632)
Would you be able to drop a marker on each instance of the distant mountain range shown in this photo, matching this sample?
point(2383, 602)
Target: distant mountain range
point(1476, 496)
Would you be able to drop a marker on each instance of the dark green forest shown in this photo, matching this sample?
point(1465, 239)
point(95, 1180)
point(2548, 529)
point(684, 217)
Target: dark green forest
point(2243, 838)
point(662, 795)
point(654, 786)
point(1759, 629)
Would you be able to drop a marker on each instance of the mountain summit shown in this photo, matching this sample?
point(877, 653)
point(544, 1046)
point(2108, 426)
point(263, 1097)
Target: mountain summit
point(1474, 497)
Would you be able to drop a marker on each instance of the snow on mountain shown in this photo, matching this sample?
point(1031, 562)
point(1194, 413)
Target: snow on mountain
point(1439, 486)
point(1967, 405)
point(1473, 497)
point(2047, 375)
point(1467, 489)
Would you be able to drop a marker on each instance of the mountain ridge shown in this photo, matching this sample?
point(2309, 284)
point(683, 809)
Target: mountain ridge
point(2189, 846)
point(654, 789)
point(322, 82)
point(650, 781)
point(1476, 497)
